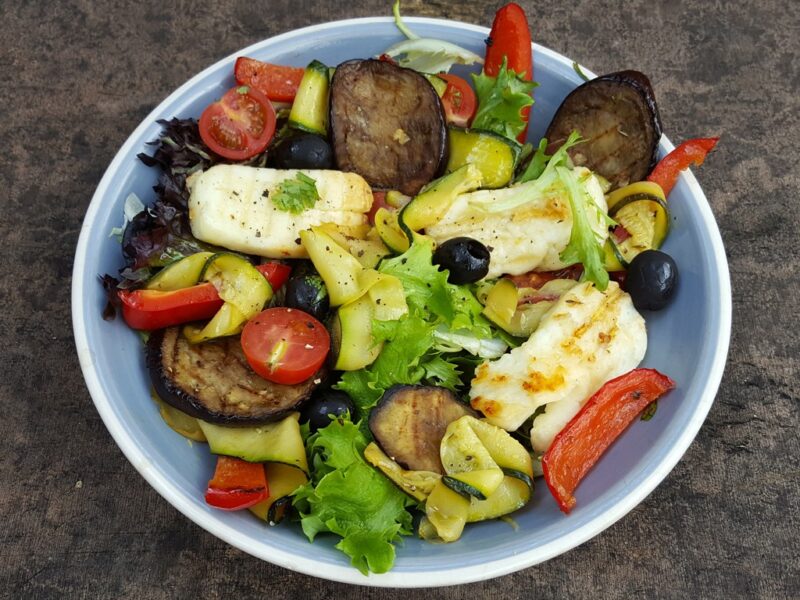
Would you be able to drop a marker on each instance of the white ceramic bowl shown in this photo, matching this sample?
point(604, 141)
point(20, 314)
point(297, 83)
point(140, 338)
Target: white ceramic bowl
point(688, 341)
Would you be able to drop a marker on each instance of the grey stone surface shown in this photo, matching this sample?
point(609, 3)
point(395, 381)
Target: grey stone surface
point(76, 77)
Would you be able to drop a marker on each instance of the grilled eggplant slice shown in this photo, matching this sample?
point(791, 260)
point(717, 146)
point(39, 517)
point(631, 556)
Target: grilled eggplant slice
point(409, 422)
point(213, 382)
point(387, 124)
point(618, 117)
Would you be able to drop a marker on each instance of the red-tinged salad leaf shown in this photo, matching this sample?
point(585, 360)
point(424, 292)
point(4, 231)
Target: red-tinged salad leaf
point(349, 498)
point(501, 101)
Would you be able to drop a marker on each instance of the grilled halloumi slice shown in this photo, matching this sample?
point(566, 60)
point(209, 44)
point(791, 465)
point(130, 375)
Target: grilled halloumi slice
point(587, 338)
point(525, 238)
point(230, 206)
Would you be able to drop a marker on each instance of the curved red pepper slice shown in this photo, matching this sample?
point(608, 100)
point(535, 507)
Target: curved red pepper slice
point(510, 38)
point(237, 484)
point(154, 309)
point(578, 446)
point(690, 152)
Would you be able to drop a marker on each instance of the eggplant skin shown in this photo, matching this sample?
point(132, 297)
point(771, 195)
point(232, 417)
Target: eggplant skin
point(409, 422)
point(387, 124)
point(213, 382)
point(618, 117)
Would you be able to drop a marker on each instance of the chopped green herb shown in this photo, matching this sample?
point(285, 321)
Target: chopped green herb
point(296, 195)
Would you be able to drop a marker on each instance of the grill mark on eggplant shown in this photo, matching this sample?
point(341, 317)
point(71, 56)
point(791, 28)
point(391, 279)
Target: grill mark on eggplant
point(212, 381)
point(409, 421)
point(371, 100)
point(624, 99)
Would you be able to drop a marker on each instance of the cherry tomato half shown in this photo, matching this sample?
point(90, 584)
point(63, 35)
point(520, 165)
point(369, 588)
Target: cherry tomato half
point(239, 125)
point(459, 100)
point(285, 345)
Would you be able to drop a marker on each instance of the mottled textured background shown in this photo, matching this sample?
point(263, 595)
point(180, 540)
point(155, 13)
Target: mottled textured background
point(78, 521)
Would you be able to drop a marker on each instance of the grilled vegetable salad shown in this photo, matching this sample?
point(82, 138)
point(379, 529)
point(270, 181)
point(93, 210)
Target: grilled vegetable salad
point(373, 299)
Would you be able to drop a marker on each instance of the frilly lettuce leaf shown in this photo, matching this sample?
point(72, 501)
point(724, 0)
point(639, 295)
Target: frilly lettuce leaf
point(427, 55)
point(500, 102)
point(351, 499)
point(414, 351)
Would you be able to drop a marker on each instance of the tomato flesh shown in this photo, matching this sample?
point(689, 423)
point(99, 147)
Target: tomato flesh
point(285, 345)
point(276, 82)
point(239, 125)
point(459, 100)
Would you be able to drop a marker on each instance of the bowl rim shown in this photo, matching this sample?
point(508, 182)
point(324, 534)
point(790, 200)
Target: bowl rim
point(307, 565)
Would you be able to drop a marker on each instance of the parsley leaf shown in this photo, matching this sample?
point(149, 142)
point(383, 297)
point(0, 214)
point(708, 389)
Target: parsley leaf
point(295, 195)
point(500, 102)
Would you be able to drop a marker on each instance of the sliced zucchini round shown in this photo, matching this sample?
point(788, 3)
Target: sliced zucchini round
point(388, 228)
point(494, 155)
point(512, 494)
point(351, 335)
point(243, 288)
point(283, 480)
point(464, 489)
point(310, 107)
point(642, 210)
point(278, 442)
point(180, 274)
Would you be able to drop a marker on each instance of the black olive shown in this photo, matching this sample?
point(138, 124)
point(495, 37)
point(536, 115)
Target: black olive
point(323, 404)
point(652, 278)
point(465, 258)
point(307, 292)
point(303, 151)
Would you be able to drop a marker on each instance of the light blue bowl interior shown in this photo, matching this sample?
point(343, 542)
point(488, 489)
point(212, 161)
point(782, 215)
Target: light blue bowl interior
point(681, 337)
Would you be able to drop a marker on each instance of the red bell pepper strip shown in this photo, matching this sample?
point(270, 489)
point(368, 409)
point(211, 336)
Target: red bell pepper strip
point(276, 82)
point(578, 446)
point(154, 309)
point(276, 273)
point(510, 38)
point(688, 153)
point(237, 484)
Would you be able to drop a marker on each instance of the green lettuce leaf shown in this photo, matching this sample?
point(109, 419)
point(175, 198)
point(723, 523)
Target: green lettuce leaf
point(500, 102)
point(413, 351)
point(351, 499)
point(584, 245)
